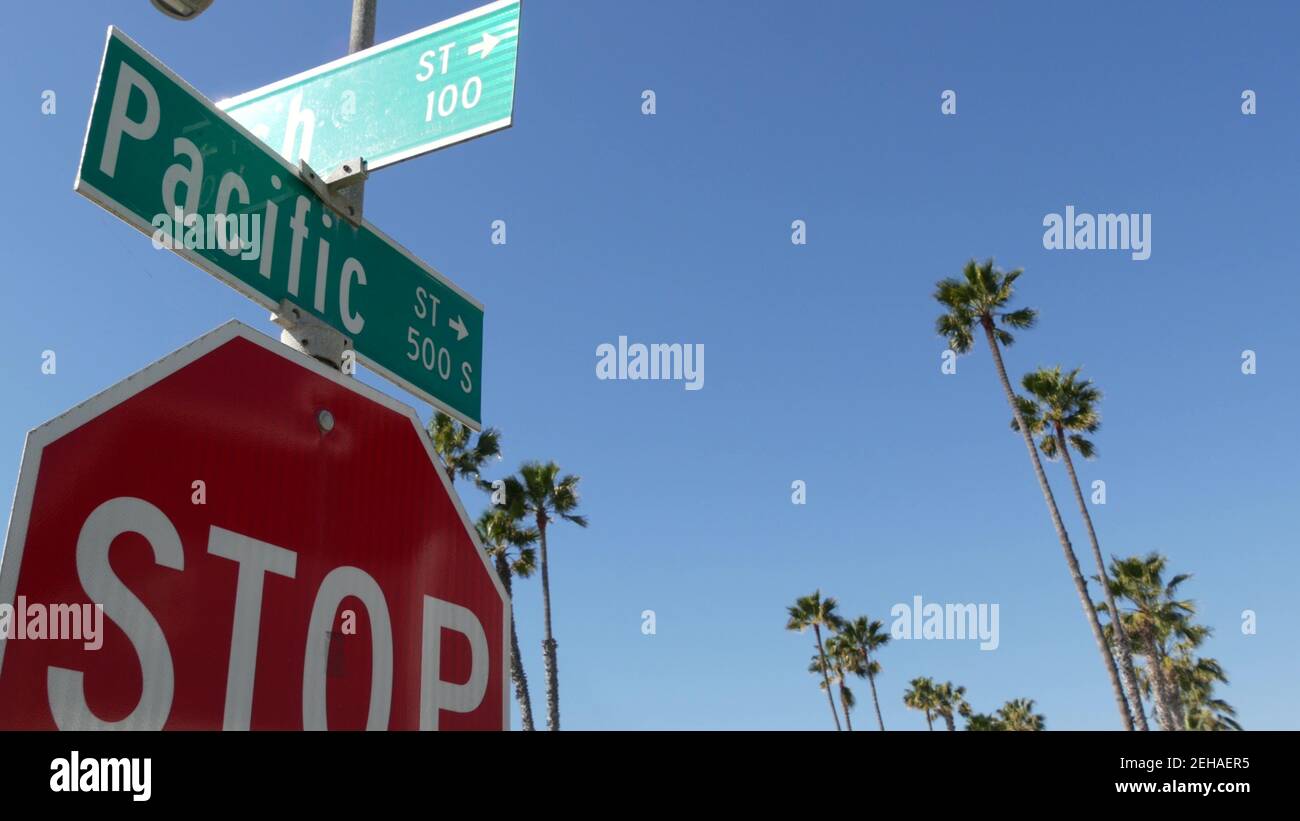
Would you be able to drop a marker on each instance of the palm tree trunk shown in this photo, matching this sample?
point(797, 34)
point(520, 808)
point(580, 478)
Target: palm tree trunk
point(929, 721)
point(821, 652)
point(1117, 623)
point(516, 660)
point(1156, 673)
point(874, 700)
point(1080, 586)
point(548, 642)
point(952, 725)
point(848, 722)
point(1173, 695)
point(1176, 699)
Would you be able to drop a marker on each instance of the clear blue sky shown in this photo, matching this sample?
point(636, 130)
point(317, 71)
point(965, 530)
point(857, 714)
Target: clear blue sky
point(821, 361)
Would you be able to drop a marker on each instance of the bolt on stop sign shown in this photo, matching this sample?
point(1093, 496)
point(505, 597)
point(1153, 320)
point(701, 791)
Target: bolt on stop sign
point(273, 546)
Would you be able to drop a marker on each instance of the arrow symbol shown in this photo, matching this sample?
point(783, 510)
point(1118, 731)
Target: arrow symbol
point(484, 48)
point(459, 325)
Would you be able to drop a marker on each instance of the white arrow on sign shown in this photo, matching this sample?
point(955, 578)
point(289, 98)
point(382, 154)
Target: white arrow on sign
point(484, 47)
point(459, 325)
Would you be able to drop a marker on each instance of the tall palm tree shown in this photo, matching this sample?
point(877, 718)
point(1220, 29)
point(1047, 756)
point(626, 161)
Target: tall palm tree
point(1060, 409)
point(950, 701)
point(1155, 616)
point(841, 663)
point(979, 299)
point(510, 544)
point(921, 695)
point(865, 637)
point(1018, 714)
point(817, 612)
point(451, 441)
point(546, 496)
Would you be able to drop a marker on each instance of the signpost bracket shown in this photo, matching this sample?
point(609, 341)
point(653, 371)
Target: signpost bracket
point(304, 332)
point(328, 190)
point(349, 172)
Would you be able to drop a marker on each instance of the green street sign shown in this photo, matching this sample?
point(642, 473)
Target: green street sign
point(429, 89)
point(168, 162)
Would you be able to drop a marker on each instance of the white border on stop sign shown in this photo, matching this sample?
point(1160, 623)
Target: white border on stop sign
point(38, 438)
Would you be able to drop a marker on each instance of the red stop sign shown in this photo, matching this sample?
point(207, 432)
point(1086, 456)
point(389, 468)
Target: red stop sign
point(274, 546)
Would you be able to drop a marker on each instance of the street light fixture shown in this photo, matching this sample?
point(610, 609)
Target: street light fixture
point(182, 9)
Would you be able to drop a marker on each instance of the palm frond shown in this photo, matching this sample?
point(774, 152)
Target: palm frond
point(1021, 319)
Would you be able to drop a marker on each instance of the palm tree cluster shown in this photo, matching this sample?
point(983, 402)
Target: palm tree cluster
point(944, 701)
point(850, 647)
point(947, 701)
point(513, 531)
point(847, 648)
point(1059, 410)
point(1017, 715)
point(1175, 680)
